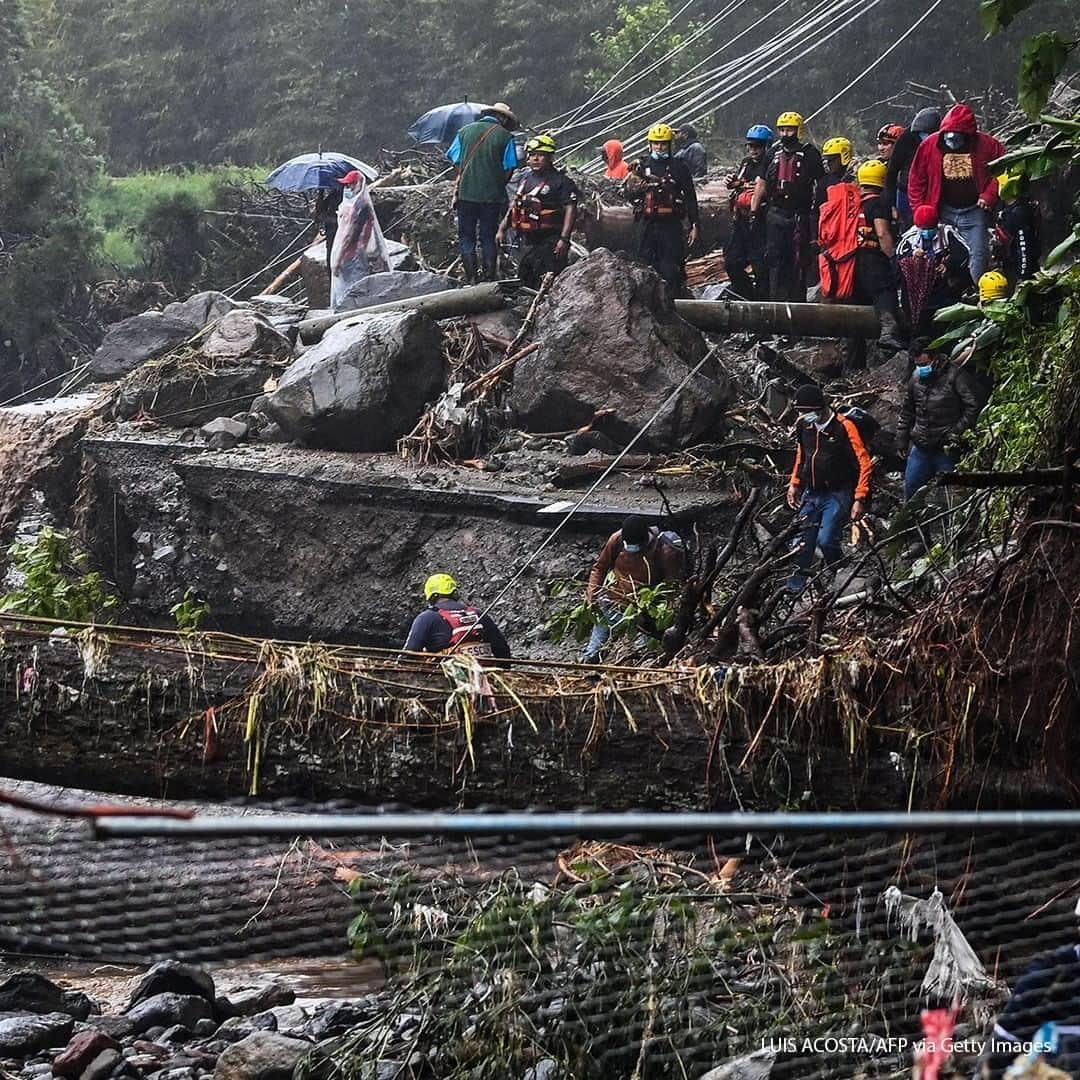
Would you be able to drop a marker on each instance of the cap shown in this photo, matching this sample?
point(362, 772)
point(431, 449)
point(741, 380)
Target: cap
point(351, 177)
point(809, 396)
point(635, 529)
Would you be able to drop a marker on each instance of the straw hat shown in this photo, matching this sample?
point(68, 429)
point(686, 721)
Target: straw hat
point(500, 108)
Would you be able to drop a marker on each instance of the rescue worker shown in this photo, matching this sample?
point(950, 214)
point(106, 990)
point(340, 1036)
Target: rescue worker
point(875, 281)
point(926, 122)
point(485, 157)
point(887, 138)
point(325, 215)
point(691, 151)
point(746, 245)
point(542, 213)
point(615, 168)
point(941, 402)
point(449, 624)
point(830, 481)
point(662, 191)
point(637, 554)
point(951, 173)
point(994, 285)
point(836, 155)
point(1017, 236)
point(788, 186)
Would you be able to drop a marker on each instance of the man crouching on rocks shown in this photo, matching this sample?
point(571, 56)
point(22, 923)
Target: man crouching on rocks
point(637, 555)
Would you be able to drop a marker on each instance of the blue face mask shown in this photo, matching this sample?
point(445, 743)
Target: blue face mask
point(954, 140)
point(927, 236)
point(924, 371)
point(810, 417)
point(661, 155)
point(633, 549)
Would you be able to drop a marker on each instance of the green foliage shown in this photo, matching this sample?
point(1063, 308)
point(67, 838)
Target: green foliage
point(55, 583)
point(650, 609)
point(1042, 61)
point(642, 28)
point(189, 613)
point(997, 14)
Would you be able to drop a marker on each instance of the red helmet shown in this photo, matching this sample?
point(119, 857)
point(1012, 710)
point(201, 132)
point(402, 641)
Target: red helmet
point(890, 133)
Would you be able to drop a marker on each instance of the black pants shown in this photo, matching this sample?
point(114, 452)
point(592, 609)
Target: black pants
point(787, 254)
point(663, 247)
point(538, 258)
point(875, 282)
point(746, 248)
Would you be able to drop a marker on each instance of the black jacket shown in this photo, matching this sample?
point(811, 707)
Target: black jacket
point(795, 195)
point(1019, 228)
point(832, 458)
point(937, 408)
point(903, 154)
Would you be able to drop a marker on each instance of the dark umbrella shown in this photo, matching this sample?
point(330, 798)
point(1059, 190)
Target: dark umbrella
point(309, 172)
point(441, 124)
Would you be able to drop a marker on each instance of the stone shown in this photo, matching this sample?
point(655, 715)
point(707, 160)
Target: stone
point(23, 1034)
point(173, 977)
point(83, 1047)
point(223, 433)
point(289, 1018)
point(581, 442)
point(401, 256)
point(165, 1010)
point(337, 1017)
point(821, 360)
point(26, 991)
point(178, 1033)
point(200, 309)
point(119, 1027)
point(755, 1066)
point(544, 1069)
point(133, 341)
point(249, 1000)
point(364, 385)
point(205, 1028)
point(236, 1028)
point(244, 335)
point(263, 1055)
point(609, 342)
point(102, 1065)
point(178, 398)
point(392, 285)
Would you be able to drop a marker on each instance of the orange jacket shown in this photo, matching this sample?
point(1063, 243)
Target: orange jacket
point(617, 169)
point(832, 458)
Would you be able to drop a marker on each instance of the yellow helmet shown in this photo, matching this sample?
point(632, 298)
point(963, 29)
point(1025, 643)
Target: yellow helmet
point(439, 585)
point(1009, 185)
point(661, 133)
point(838, 145)
point(790, 119)
point(542, 144)
point(872, 174)
point(993, 285)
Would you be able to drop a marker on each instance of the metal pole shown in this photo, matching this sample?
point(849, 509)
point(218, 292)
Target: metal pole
point(780, 317)
point(582, 825)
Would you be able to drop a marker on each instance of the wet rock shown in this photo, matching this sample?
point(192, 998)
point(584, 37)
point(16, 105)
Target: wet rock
point(22, 1034)
point(263, 1055)
point(178, 1033)
point(204, 1028)
point(289, 1019)
point(119, 1027)
point(401, 256)
point(83, 1047)
point(364, 385)
point(165, 1010)
point(338, 1017)
point(132, 342)
point(820, 360)
point(26, 991)
point(200, 309)
point(173, 977)
point(393, 285)
point(582, 442)
point(223, 433)
point(608, 342)
point(243, 335)
point(755, 1066)
point(238, 1027)
point(102, 1065)
point(887, 386)
point(249, 1000)
point(144, 1062)
point(79, 1005)
point(178, 398)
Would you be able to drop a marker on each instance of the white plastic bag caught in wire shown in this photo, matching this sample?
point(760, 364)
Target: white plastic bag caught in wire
point(359, 246)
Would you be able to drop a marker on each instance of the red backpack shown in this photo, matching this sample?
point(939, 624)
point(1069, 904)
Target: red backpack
point(840, 220)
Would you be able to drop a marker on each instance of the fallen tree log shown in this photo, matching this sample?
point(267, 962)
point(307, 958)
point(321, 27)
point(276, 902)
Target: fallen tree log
point(775, 317)
point(473, 300)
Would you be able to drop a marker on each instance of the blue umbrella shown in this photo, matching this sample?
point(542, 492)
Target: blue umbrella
point(310, 171)
point(441, 124)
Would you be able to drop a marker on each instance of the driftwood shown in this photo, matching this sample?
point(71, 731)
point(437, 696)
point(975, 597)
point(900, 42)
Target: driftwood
point(768, 317)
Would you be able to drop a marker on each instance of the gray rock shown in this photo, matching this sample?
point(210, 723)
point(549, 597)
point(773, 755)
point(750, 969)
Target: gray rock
point(401, 256)
point(223, 433)
point(173, 977)
point(263, 1055)
point(178, 1033)
point(132, 342)
point(609, 342)
point(80, 1005)
point(337, 1017)
point(364, 385)
point(544, 1069)
point(243, 335)
point(177, 398)
point(102, 1065)
point(200, 309)
point(119, 1027)
point(41, 1069)
point(755, 1066)
point(249, 1000)
point(26, 991)
point(205, 1028)
point(186, 1072)
point(236, 1028)
point(22, 1034)
point(165, 1010)
point(289, 1018)
point(393, 285)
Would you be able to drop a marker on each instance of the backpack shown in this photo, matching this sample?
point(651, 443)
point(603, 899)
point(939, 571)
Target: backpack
point(839, 221)
point(865, 424)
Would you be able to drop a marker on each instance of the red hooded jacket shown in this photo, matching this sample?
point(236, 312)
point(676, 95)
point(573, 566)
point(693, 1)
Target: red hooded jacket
point(924, 179)
point(617, 169)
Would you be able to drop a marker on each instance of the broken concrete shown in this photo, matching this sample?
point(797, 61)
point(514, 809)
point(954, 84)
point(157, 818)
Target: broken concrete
point(132, 342)
point(608, 342)
point(364, 385)
point(244, 335)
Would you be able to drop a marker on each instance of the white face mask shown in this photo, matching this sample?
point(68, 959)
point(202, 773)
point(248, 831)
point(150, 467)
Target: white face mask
point(810, 417)
point(633, 549)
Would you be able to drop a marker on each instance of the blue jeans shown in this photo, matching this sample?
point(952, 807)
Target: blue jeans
point(472, 216)
point(611, 616)
point(825, 514)
point(972, 223)
point(922, 466)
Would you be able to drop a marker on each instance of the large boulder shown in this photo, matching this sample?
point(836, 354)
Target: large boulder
point(364, 385)
point(263, 1055)
point(178, 397)
point(26, 991)
point(23, 1034)
point(165, 1010)
point(393, 285)
point(608, 341)
point(245, 335)
point(132, 342)
point(200, 309)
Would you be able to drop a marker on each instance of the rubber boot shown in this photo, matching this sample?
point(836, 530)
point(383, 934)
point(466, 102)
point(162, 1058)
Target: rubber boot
point(889, 340)
point(471, 268)
point(491, 269)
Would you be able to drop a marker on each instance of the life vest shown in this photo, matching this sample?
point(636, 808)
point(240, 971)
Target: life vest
point(790, 173)
point(663, 197)
point(842, 231)
point(529, 214)
point(466, 632)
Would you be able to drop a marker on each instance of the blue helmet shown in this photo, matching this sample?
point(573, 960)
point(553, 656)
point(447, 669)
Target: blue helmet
point(759, 133)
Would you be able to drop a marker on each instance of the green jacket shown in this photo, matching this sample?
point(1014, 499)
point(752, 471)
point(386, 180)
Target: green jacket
point(482, 177)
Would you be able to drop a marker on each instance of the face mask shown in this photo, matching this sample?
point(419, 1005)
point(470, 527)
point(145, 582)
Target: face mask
point(661, 155)
point(810, 417)
point(924, 371)
point(927, 236)
point(633, 549)
point(790, 140)
point(954, 140)
point(924, 135)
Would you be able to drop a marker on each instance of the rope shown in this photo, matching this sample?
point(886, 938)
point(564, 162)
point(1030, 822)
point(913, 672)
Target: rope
point(63, 375)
